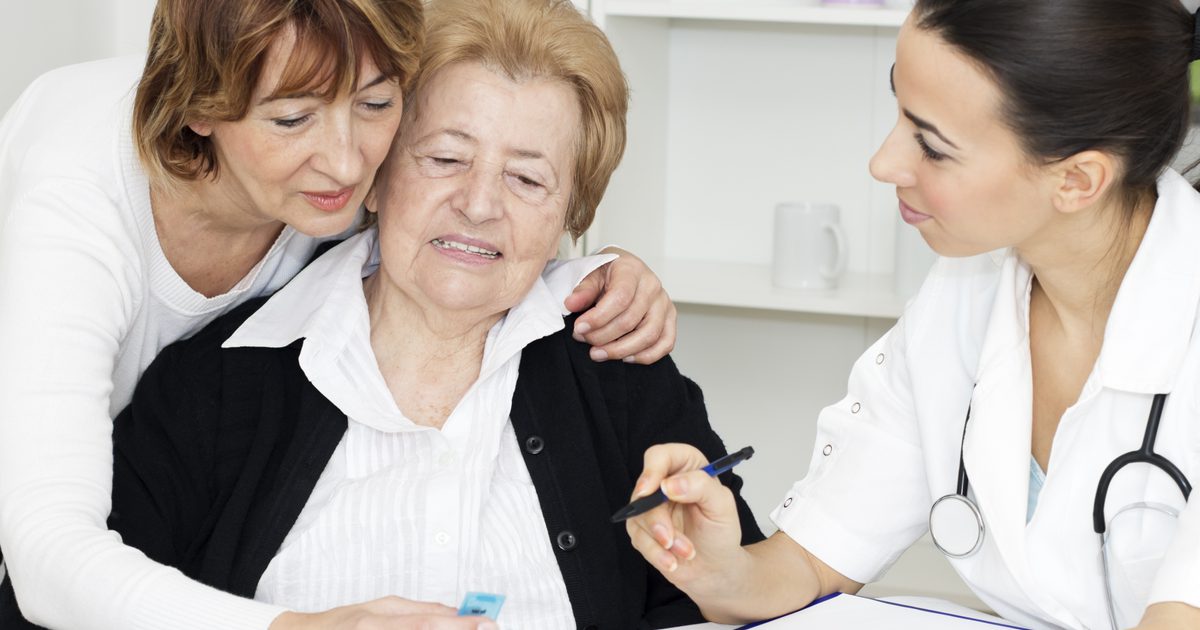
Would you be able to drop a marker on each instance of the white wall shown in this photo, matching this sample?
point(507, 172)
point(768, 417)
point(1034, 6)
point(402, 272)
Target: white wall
point(38, 35)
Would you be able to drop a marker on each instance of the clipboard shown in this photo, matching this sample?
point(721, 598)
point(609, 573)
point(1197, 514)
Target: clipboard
point(850, 611)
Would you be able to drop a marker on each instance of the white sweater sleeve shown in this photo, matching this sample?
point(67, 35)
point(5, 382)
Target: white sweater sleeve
point(70, 284)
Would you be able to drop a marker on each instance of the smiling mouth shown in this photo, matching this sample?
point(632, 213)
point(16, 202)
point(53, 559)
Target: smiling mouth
point(463, 247)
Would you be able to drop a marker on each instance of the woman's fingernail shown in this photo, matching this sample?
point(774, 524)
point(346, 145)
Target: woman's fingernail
point(675, 487)
point(582, 328)
point(598, 354)
point(684, 548)
point(630, 359)
point(577, 337)
point(662, 535)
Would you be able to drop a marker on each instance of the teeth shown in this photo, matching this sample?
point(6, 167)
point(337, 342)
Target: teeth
point(463, 247)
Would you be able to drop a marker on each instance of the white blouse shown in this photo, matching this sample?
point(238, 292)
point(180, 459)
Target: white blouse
point(403, 509)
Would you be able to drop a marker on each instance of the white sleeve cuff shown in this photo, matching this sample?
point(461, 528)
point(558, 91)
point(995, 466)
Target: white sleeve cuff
point(835, 544)
point(1178, 578)
point(597, 250)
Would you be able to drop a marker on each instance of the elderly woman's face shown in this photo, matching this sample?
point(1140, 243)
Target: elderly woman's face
point(472, 201)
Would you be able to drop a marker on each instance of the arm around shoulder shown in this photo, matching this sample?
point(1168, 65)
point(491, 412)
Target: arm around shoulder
point(70, 286)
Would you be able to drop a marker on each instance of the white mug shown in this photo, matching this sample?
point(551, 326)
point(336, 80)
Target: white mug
point(810, 246)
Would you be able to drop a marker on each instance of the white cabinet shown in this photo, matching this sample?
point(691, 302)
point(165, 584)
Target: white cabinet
point(738, 105)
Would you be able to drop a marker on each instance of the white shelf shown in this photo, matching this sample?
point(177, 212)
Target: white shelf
point(749, 286)
point(787, 11)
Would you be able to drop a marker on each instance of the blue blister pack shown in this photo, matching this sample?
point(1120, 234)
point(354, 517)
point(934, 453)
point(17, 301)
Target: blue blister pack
point(484, 604)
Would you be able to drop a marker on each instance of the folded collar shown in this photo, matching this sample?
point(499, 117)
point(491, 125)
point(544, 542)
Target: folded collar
point(324, 304)
point(1151, 323)
point(317, 303)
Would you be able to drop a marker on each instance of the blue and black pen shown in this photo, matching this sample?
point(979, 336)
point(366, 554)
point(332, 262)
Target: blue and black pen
point(651, 501)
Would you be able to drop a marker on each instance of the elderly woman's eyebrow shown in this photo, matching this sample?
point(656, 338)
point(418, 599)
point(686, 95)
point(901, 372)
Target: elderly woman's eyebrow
point(529, 154)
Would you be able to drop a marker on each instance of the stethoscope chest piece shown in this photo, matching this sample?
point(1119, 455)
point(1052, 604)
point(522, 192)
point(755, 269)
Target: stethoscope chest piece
point(956, 526)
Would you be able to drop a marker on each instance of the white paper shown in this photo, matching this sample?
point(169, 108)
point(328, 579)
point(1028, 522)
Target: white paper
point(848, 612)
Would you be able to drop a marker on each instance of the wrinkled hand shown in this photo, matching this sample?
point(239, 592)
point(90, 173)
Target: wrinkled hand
point(632, 319)
point(695, 539)
point(387, 613)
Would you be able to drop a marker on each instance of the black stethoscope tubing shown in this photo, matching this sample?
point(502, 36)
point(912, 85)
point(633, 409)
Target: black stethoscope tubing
point(1143, 455)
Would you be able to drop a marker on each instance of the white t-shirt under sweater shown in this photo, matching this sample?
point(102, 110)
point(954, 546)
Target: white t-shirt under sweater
point(87, 300)
point(404, 509)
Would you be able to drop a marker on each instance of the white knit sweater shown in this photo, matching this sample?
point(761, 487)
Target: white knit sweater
point(87, 300)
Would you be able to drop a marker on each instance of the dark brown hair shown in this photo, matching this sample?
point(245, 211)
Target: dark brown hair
point(205, 57)
point(1109, 75)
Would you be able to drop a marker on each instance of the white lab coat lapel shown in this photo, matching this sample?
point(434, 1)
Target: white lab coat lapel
point(996, 447)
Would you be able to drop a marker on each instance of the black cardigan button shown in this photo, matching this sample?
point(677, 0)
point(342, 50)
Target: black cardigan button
point(566, 540)
point(534, 445)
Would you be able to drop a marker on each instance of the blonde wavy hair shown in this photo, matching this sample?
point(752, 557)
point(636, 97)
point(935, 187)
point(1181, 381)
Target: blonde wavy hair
point(549, 39)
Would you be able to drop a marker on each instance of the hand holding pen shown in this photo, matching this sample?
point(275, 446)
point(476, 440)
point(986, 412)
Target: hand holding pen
point(655, 499)
point(694, 537)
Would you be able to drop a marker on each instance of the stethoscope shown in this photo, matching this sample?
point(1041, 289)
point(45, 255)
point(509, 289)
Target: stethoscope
point(956, 524)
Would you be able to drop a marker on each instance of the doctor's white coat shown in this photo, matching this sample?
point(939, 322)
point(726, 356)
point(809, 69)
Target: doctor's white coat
point(891, 447)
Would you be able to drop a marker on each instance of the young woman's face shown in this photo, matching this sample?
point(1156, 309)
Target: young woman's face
point(303, 160)
point(960, 173)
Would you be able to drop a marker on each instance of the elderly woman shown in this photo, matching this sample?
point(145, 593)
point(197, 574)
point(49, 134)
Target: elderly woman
point(140, 199)
point(410, 416)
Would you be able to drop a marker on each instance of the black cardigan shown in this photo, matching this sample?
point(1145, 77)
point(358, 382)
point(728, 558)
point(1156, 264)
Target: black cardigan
point(221, 448)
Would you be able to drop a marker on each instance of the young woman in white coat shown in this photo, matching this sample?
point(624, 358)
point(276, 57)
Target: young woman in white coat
point(139, 201)
point(1058, 333)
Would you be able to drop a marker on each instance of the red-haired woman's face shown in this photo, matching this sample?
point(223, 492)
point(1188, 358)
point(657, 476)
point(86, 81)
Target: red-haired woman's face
point(300, 159)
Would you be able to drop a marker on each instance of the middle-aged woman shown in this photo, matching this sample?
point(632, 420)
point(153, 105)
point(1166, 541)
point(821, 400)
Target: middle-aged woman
point(141, 201)
point(1058, 333)
point(410, 415)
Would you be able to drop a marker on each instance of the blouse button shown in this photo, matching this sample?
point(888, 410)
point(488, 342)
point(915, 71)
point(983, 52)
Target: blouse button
point(855, 408)
point(566, 540)
point(787, 502)
point(879, 359)
point(534, 445)
point(827, 450)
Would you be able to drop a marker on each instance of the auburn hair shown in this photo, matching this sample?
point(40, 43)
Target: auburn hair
point(206, 56)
